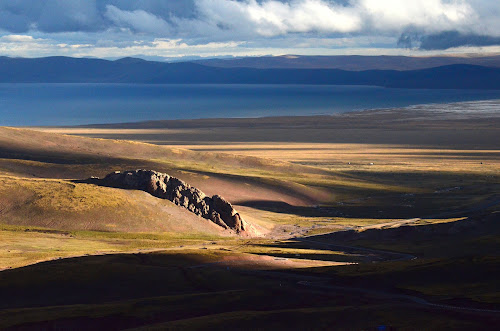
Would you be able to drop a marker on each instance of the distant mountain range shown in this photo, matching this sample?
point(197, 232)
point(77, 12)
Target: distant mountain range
point(132, 70)
point(351, 62)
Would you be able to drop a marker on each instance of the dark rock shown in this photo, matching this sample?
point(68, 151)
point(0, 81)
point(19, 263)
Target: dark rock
point(160, 185)
point(227, 213)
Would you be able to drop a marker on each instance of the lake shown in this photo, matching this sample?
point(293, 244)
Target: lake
point(74, 104)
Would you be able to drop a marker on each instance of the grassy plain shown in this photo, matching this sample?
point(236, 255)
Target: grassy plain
point(416, 194)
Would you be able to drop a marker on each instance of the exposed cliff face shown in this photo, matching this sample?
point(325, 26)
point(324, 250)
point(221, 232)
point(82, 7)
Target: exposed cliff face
point(215, 208)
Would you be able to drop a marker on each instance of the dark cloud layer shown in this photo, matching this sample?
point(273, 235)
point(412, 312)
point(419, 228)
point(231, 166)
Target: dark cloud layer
point(445, 40)
point(81, 15)
point(450, 39)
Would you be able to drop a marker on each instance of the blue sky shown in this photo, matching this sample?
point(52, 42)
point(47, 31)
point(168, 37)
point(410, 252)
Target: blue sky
point(166, 29)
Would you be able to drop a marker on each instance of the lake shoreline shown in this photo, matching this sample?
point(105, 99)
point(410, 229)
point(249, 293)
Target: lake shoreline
point(91, 104)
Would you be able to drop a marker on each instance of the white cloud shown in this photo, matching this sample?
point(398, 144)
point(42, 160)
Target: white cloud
point(175, 44)
point(270, 18)
point(28, 46)
point(137, 20)
point(425, 14)
point(16, 38)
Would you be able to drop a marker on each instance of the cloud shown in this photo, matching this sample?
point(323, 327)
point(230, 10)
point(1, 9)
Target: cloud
point(265, 18)
point(291, 24)
point(13, 22)
point(450, 39)
point(13, 38)
point(271, 18)
point(137, 20)
point(50, 16)
point(160, 8)
point(396, 15)
point(73, 15)
point(413, 39)
point(24, 45)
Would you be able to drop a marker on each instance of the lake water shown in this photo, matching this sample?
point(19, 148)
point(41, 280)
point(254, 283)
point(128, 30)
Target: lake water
point(73, 104)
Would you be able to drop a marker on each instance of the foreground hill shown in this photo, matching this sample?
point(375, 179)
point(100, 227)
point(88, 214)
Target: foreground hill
point(64, 205)
point(79, 70)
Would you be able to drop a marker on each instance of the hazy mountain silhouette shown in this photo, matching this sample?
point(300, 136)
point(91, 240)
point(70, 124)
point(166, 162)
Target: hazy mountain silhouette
point(130, 70)
point(350, 62)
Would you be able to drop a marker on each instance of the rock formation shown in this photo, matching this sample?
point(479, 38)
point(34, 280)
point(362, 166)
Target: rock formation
point(160, 185)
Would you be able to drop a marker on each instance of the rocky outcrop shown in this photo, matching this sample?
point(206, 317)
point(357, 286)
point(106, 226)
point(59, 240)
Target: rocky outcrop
point(215, 208)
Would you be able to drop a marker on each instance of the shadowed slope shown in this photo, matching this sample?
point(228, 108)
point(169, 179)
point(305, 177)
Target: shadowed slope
point(32, 153)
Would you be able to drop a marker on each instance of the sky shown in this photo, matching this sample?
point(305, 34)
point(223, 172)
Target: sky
point(176, 29)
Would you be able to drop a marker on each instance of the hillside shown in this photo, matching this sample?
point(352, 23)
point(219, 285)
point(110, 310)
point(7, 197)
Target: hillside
point(38, 171)
point(80, 70)
point(64, 205)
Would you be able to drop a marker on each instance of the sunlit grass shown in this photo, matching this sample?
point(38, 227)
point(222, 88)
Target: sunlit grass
point(23, 245)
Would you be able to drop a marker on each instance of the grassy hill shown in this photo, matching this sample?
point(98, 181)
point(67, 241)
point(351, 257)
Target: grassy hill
point(38, 172)
point(64, 205)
